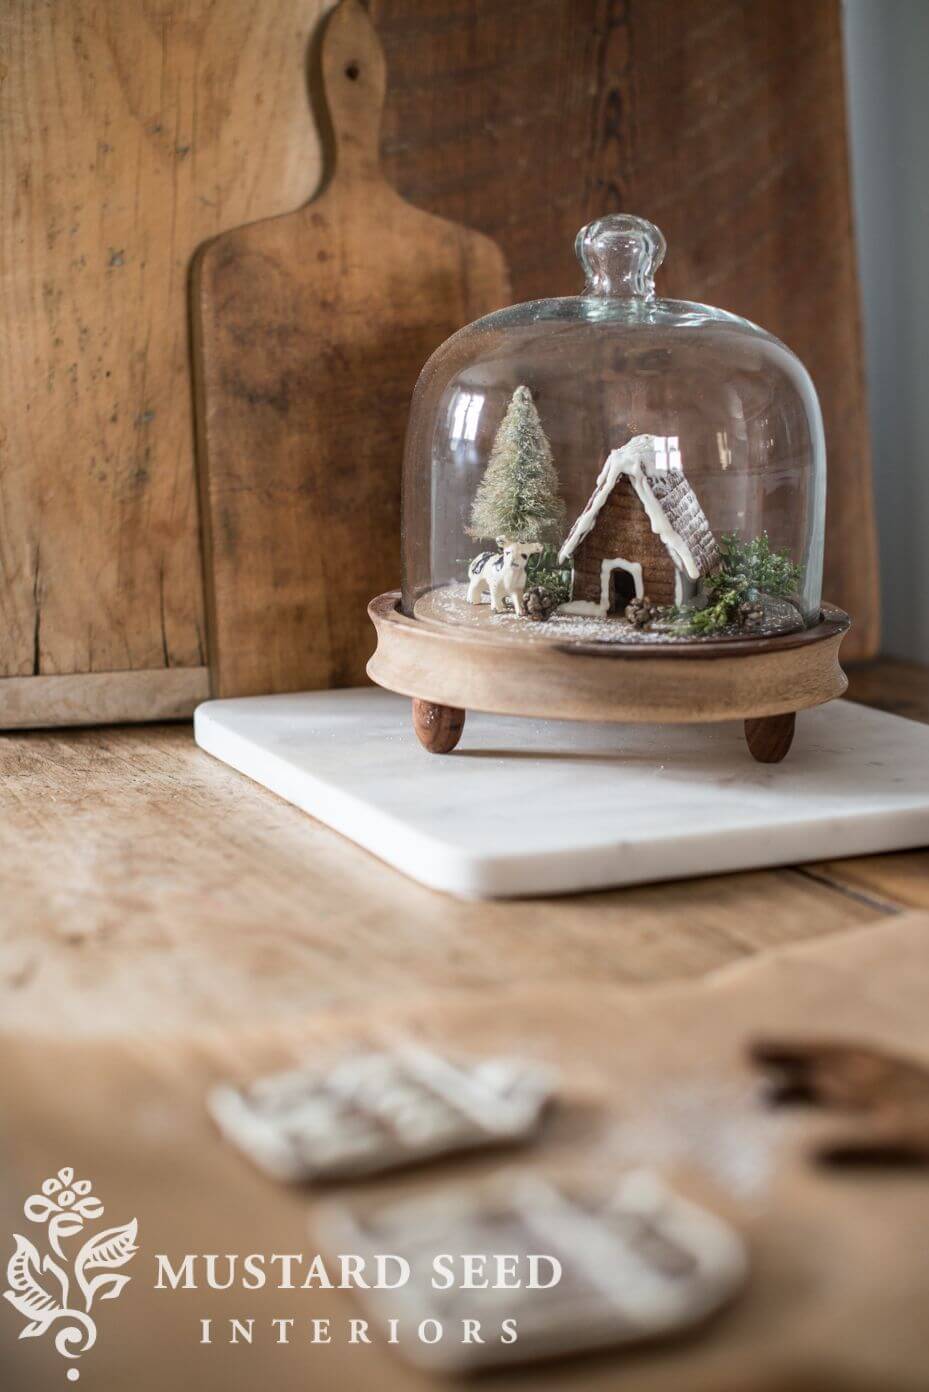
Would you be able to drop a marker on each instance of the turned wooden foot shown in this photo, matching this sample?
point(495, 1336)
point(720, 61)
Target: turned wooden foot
point(770, 737)
point(438, 728)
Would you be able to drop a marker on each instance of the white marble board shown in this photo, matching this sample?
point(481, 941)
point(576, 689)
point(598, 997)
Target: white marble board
point(526, 807)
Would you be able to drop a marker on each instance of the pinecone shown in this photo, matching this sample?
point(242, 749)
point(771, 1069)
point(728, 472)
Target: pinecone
point(641, 612)
point(751, 614)
point(539, 603)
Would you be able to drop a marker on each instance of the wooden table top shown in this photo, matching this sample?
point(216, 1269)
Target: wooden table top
point(166, 923)
point(150, 888)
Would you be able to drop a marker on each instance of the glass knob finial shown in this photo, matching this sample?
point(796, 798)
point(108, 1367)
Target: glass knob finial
point(620, 255)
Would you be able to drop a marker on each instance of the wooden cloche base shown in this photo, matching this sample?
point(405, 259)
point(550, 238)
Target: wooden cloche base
point(449, 669)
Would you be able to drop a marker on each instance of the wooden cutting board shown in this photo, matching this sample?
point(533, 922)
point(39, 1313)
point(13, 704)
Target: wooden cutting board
point(310, 331)
point(129, 134)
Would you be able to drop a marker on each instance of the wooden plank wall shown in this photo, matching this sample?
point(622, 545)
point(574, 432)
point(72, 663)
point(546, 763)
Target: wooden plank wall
point(131, 131)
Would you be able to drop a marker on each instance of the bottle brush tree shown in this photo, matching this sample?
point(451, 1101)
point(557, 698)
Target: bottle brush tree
point(518, 496)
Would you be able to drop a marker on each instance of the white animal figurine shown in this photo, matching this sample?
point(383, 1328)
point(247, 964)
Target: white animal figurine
point(501, 573)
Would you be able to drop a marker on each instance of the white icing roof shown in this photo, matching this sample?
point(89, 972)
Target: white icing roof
point(646, 460)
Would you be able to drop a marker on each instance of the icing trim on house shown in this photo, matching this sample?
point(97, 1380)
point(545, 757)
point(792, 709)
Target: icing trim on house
point(588, 607)
point(634, 459)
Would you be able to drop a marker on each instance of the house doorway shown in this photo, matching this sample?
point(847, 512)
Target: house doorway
point(622, 590)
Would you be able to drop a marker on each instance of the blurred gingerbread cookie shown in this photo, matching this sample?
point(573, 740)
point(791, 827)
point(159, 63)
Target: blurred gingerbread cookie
point(375, 1111)
point(524, 1267)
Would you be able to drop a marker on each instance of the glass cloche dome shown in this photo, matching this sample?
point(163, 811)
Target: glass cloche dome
point(615, 467)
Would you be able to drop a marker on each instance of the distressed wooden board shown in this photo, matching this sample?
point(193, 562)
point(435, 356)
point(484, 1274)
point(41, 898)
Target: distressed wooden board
point(840, 1271)
point(902, 878)
point(129, 132)
point(101, 698)
point(150, 888)
point(311, 331)
point(720, 120)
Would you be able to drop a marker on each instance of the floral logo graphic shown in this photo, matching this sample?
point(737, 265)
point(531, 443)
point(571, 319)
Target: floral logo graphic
point(47, 1292)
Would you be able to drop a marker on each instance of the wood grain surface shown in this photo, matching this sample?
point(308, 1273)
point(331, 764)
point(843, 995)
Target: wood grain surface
point(101, 698)
point(721, 121)
point(438, 728)
point(312, 329)
point(129, 132)
point(147, 887)
point(769, 739)
point(477, 668)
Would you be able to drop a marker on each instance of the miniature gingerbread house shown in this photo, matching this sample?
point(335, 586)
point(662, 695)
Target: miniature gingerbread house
point(643, 532)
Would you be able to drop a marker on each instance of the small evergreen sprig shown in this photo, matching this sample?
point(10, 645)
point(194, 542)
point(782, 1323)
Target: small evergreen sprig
point(772, 572)
point(720, 613)
point(543, 568)
point(747, 569)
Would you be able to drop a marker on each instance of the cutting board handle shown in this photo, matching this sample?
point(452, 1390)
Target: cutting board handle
point(354, 74)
